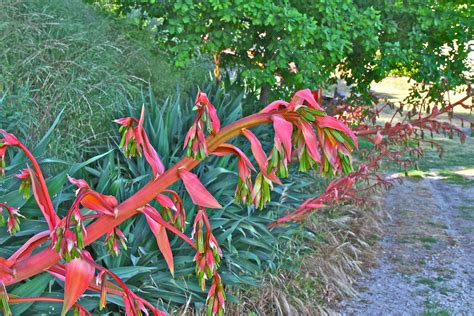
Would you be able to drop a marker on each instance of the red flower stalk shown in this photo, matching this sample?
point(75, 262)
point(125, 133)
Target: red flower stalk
point(301, 113)
point(13, 218)
point(206, 119)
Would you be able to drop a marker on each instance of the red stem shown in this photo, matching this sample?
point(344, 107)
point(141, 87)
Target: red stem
point(54, 217)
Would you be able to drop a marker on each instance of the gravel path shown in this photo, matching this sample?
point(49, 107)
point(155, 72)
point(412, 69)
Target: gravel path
point(426, 262)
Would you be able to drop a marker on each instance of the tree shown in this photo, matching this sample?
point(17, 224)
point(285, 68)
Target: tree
point(287, 44)
point(271, 44)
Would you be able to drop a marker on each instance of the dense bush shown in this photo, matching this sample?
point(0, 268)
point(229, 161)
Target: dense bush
point(285, 45)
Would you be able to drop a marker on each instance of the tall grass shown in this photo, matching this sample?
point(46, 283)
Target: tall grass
point(64, 54)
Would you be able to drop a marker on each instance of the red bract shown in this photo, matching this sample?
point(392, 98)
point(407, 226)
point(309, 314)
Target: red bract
point(259, 155)
point(198, 193)
point(105, 204)
point(151, 155)
point(332, 124)
point(79, 273)
point(275, 106)
point(161, 237)
point(40, 192)
point(304, 96)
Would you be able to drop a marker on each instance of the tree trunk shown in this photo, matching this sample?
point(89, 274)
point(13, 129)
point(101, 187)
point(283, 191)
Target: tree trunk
point(264, 93)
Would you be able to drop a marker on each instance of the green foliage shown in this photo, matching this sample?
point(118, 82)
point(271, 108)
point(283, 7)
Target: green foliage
point(425, 40)
point(259, 39)
point(57, 54)
point(363, 40)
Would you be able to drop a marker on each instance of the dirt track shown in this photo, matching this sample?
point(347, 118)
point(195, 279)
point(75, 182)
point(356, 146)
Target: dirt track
point(426, 262)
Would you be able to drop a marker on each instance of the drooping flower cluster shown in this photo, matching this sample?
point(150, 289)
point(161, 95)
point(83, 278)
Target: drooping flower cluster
point(68, 236)
point(216, 297)
point(208, 253)
point(25, 185)
point(244, 166)
point(13, 218)
point(172, 209)
point(134, 142)
point(8, 140)
point(112, 240)
point(206, 120)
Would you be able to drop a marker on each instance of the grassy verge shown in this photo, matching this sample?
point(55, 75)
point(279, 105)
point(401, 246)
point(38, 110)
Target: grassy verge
point(64, 54)
point(338, 244)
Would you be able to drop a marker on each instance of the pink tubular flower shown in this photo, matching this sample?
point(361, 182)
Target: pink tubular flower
point(206, 120)
point(216, 297)
point(245, 167)
point(135, 141)
point(208, 253)
point(112, 239)
point(195, 141)
point(280, 156)
point(3, 151)
point(207, 113)
point(13, 218)
point(25, 186)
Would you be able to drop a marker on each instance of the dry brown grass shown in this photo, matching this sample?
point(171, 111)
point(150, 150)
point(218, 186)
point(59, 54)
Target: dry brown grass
point(328, 273)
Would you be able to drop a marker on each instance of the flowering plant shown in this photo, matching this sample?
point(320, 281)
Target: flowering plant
point(303, 132)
